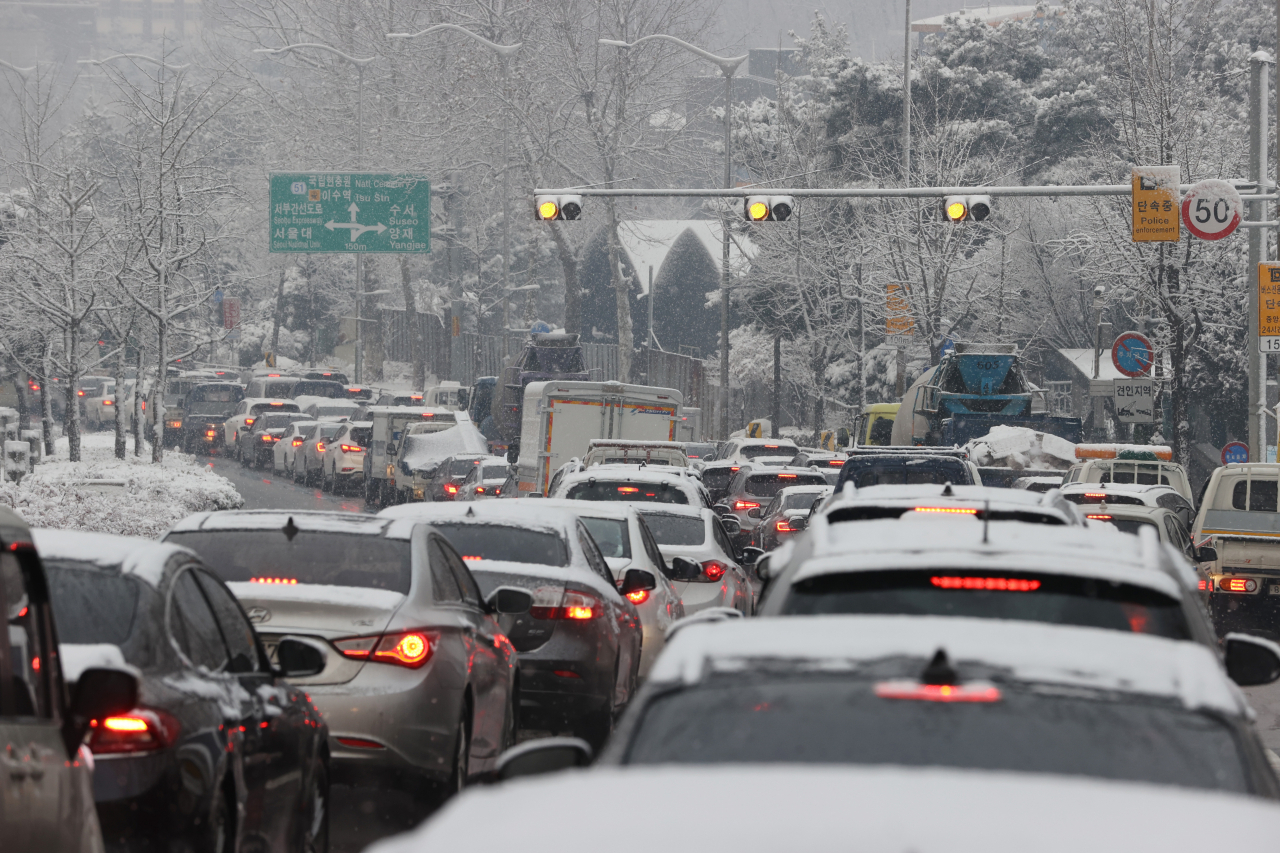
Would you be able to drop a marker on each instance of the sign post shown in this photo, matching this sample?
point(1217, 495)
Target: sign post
point(350, 212)
point(1155, 204)
point(1134, 400)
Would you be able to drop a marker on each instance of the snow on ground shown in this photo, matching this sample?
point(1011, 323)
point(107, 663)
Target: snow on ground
point(148, 500)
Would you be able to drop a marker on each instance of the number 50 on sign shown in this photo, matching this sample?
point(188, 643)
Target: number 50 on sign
point(1269, 307)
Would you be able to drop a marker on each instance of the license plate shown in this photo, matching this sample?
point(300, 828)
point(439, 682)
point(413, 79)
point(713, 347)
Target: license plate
point(273, 654)
point(1274, 589)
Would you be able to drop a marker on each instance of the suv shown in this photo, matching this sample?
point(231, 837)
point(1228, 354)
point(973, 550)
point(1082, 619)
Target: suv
point(247, 412)
point(343, 464)
point(449, 474)
point(207, 409)
point(909, 468)
point(740, 450)
point(256, 445)
point(786, 515)
point(1118, 494)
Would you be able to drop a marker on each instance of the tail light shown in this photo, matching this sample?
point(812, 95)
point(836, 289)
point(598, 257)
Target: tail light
point(949, 510)
point(479, 490)
point(107, 403)
point(80, 393)
point(1098, 517)
point(980, 692)
point(640, 596)
point(210, 433)
point(140, 730)
point(411, 649)
point(783, 526)
point(1002, 584)
point(351, 448)
point(270, 438)
point(713, 570)
point(451, 488)
point(741, 505)
point(319, 447)
point(297, 442)
point(248, 422)
point(574, 604)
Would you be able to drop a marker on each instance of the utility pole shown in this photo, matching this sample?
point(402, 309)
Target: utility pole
point(1258, 124)
point(906, 98)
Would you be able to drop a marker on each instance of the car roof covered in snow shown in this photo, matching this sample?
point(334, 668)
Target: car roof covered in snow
point(949, 495)
point(593, 509)
point(837, 808)
point(308, 520)
point(672, 474)
point(143, 558)
point(1066, 655)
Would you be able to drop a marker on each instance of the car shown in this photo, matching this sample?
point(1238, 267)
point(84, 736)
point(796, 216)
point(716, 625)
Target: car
point(1045, 483)
point(699, 535)
point(326, 408)
point(987, 695)
point(814, 805)
point(326, 375)
point(257, 443)
point(956, 565)
point(1135, 464)
point(623, 537)
point(208, 407)
point(825, 461)
point(361, 393)
point(284, 453)
point(885, 466)
point(1130, 519)
point(219, 748)
point(88, 388)
point(100, 409)
point(634, 483)
point(418, 679)
point(449, 475)
point(510, 488)
point(1129, 494)
point(47, 787)
point(752, 488)
point(342, 465)
point(579, 645)
point(271, 386)
point(716, 477)
point(778, 518)
point(700, 451)
point(400, 398)
point(308, 463)
point(485, 481)
point(246, 412)
point(741, 450)
point(982, 502)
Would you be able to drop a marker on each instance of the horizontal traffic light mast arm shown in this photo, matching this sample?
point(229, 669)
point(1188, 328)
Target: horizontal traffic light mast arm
point(882, 192)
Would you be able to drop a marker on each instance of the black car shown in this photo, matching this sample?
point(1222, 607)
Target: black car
point(257, 444)
point(219, 752)
point(447, 479)
point(907, 468)
point(207, 408)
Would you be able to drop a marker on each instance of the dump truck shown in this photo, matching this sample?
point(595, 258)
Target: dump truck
point(546, 356)
point(974, 388)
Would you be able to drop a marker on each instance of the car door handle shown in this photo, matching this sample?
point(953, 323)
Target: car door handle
point(16, 766)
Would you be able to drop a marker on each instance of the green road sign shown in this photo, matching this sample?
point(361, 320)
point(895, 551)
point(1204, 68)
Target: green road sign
point(350, 212)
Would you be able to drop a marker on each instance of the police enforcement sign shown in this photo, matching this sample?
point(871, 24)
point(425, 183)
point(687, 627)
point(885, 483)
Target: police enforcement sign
point(1156, 212)
point(1235, 453)
point(1132, 354)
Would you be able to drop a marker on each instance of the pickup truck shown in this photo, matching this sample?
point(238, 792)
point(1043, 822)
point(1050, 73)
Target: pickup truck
point(382, 485)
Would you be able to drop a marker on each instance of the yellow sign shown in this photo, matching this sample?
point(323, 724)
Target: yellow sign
point(1269, 307)
point(898, 319)
point(1157, 215)
point(457, 326)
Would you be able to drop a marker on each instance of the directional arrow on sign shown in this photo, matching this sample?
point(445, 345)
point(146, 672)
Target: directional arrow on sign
point(356, 228)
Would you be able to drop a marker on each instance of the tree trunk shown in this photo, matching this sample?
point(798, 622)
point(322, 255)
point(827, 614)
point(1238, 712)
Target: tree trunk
point(415, 327)
point(162, 373)
point(622, 293)
point(46, 399)
point(118, 420)
point(73, 381)
point(275, 320)
point(157, 432)
point(572, 289)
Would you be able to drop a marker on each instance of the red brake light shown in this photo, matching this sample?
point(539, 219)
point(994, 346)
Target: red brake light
point(782, 526)
point(451, 488)
point(426, 414)
point(734, 467)
point(628, 489)
point(359, 743)
point(275, 404)
point(81, 393)
point(351, 448)
point(640, 596)
point(938, 692)
point(472, 557)
point(140, 730)
point(320, 447)
point(1005, 584)
point(1237, 584)
point(269, 437)
point(210, 433)
point(957, 510)
point(404, 648)
point(479, 490)
point(713, 570)
point(1095, 494)
point(786, 476)
point(573, 605)
point(297, 442)
point(273, 375)
point(745, 505)
point(1202, 585)
point(249, 421)
point(772, 446)
point(836, 463)
point(107, 403)
point(1099, 517)
point(285, 581)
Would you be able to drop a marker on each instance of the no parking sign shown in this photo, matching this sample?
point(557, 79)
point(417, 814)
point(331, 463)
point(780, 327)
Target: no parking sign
point(1133, 354)
point(1235, 453)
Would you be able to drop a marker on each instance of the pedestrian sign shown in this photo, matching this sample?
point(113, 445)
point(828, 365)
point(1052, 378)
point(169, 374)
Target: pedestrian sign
point(1269, 307)
point(1156, 211)
point(1132, 354)
point(1235, 453)
point(350, 212)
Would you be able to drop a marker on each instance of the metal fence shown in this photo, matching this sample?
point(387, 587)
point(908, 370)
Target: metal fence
point(398, 339)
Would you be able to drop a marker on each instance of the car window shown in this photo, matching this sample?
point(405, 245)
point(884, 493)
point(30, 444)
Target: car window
point(465, 580)
point(611, 536)
point(618, 490)
point(24, 684)
point(507, 542)
point(1259, 494)
point(670, 529)
point(788, 450)
point(722, 538)
point(236, 630)
point(594, 558)
point(193, 626)
point(443, 581)
point(768, 485)
point(651, 546)
point(1178, 535)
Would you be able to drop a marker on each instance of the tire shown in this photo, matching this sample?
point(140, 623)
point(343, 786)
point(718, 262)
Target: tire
point(461, 758)
point(326, 484)
point(370, 497)
point(313, 814)
point(296, 477)
point(240, 454)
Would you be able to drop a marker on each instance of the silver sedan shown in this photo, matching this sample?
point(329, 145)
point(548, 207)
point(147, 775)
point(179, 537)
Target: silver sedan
point(699, 535)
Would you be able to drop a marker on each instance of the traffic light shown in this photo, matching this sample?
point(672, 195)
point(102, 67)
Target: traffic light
point(768, 208)
point(549, 207)
point(958, 208)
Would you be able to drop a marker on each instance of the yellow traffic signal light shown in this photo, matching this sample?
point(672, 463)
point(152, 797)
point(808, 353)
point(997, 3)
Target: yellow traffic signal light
point(551, 207)
point(959, 208)
point(757, 210)
point(548, 209)
point(775, 208)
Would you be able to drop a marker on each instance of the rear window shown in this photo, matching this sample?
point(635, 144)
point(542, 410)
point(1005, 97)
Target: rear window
point(279, 388)
point(462, 467)
point(216, 394)
point(1083, 498)
point(1125, 525)
point(752, 451)
point(717, 479)
point(1025, 596)
point(494, 472)
point(91, 605)
point(1142, 475)
point(333, 411)
point(784, 713)
point(611, 535)
point(316, 388)
point(1254, 495)
point(361, 435)
point(905, 472)
point(676, 529)
point(505, 542)
point(310, 557)
point(616, 490)
point(276, 421)
point(768, 485)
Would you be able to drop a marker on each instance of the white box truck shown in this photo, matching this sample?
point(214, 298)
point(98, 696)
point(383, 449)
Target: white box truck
point(561, 417)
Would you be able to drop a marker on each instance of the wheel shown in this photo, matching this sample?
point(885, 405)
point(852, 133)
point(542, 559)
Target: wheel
point(370, 492)
point(313, 816)
point(298, 477)
point(326, 483)
point(461, 759)
point(242, 456)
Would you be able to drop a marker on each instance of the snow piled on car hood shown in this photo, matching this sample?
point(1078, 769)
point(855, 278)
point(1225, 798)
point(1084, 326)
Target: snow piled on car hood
point(426, 449)
point(150, 499)
point(837, 809)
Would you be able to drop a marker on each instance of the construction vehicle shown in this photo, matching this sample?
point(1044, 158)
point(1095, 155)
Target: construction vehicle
point(873, 427)
point(974, 388)
point(547, 356)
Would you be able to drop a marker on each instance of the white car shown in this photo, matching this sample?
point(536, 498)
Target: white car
point(247, 411)
point(100, 410)
point(741, 450)
point(634, 483)
point(325, 408)
point(1128, 494)
point(285, 453)
point(484, 482)
point(342, 465)
point(1131, 519)
point(698, 534)
point(930, 500)
point(626, 543)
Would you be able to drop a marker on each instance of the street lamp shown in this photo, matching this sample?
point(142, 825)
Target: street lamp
point(21, 72)
point(137, 57)
point(359, 63)
point(504, 52)
point(728, 66)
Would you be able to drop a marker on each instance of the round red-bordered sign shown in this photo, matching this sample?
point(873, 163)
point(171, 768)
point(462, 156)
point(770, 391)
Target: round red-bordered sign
point(1212, 209)
point(1236, 453)
point(1133, 354)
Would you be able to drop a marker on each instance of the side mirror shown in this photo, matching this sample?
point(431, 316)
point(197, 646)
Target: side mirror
point(544, 755)
point(1251, 660)
point(761, 568)
point(636, 580)
point(721, 510)
point(750, 555)
point(299, 657)
point(684, 569)
point(98, 693)
point(510, 599)
point(798, 522)
point(731, 524)
point(754, 512)
point(1206, 555)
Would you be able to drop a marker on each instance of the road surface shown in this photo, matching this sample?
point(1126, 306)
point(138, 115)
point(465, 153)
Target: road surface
point(264, 490)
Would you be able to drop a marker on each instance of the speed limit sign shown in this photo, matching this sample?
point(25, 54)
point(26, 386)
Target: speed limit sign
point(1211, 209)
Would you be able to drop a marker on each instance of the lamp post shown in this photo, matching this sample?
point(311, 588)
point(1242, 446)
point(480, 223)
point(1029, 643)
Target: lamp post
point(359, 63)
point(504, 52)
point(21, 72)
point(728, 66)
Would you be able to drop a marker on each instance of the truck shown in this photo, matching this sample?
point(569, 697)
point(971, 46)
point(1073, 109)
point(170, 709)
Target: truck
point(974, 388)
point(390, 425)
point(546, 356)
point(560, 419)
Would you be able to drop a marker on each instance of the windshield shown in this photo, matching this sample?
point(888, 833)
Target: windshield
point(278, 388)
point(768, 485)
point(1025, 596)
point(808, 717)
point(752, 451)
point(316, 388)
point(361, 435)
point(699, 451)
point(505, 542)
point(905, 472)
point(616, 490)
point(611, 536)
point(214, 399)
point(310, 557)
point(676, 529)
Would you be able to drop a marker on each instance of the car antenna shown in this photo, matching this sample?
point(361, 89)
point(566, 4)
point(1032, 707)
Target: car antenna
point(471, 512)
point(986, 519)
point(946, 490)
point(939, 671)
point(290, 529)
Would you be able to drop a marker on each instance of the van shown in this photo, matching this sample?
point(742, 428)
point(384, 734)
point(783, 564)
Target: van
point(1237, 532)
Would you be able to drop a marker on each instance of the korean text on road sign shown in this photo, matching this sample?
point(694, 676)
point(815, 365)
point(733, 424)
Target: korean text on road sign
point(899, 322)
point(1269, 307)
point(350, 212)
point(1135, 400)
point(1156, 211)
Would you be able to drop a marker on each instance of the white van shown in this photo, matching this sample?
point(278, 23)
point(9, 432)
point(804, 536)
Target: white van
point(1238, 531)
